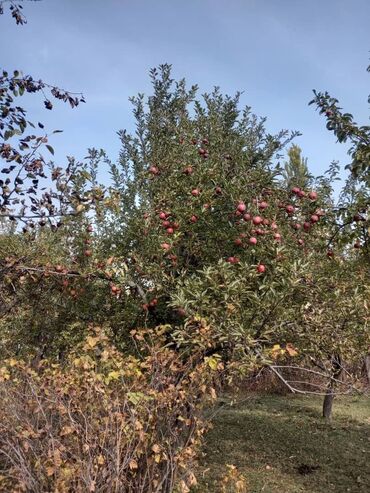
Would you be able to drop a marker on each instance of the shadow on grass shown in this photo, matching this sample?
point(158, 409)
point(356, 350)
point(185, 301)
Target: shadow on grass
point(283, 445)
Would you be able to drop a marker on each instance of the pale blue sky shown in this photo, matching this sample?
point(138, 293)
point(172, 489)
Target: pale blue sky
point(276, 51)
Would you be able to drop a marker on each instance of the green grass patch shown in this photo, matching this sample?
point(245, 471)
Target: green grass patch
point(282, 445)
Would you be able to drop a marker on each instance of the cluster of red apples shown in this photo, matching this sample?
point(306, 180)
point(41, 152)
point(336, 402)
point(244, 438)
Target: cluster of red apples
point(262, 225)
point(259, 225)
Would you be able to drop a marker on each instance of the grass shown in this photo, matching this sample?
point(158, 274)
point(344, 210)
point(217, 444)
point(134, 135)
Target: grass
point(282, 445)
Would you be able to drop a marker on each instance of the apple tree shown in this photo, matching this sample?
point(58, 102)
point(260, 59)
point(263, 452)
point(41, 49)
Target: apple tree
point(352, 210)
point(201, 222)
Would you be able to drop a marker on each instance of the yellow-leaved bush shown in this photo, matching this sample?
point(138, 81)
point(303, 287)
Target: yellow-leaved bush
point(102, 421)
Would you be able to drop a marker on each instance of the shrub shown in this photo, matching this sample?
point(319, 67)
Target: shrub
point(102, 422)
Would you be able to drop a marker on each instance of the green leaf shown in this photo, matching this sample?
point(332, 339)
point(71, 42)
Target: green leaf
point(212, 361)
point(86, 175)
point(50, 149)
point(135, 397)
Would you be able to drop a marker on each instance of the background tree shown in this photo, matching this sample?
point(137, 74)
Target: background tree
point(295, 171)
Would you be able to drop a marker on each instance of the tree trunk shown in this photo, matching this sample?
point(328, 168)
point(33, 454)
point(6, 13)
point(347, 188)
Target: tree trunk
point(367, 367)
point(328, 403)
point(336, 371)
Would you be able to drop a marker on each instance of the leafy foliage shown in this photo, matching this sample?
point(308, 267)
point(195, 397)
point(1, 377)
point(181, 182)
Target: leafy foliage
point(101, 421)
point(347, 130)
point(352, 212)
point(24, 165)
point(295, 171)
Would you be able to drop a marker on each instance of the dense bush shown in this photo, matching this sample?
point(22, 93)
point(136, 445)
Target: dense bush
point(102, 421)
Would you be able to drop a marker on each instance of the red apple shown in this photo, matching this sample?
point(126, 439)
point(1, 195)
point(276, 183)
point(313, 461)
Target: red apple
point(300, 242)
point(241, 207)
point(233, 260)
point(165, 246)
point(195, 192)
point(296, 190)
point(263, 205)
point(261, 268)
point(188, 170)
point(87, 253)
point(194, 219)
point(154, 170)
point(170, 231)
point(218, 190)
point(301, 194)
point(257, 220)
point(253, 241)
point(312, 195)
point(314, 218)
point(166, 224)
point(238, 242)
point(162, 215)
point(306, 226)
point(290, 209)
point(277, 236)
point(247, 217)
